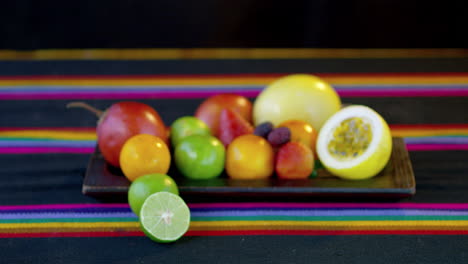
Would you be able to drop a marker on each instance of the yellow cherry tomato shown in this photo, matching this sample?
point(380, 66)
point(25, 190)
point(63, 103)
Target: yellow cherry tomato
point(249, 157)
point(302, 132)
point(144, 154)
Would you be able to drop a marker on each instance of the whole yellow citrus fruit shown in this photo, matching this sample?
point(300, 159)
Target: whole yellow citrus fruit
point(298, 96)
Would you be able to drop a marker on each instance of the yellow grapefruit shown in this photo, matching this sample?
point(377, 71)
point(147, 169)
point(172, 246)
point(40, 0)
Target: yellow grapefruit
point(296, 97)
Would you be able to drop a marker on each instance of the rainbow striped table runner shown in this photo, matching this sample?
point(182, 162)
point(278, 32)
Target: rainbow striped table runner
point(199, 86)
point(222, 219)
point(83, 140)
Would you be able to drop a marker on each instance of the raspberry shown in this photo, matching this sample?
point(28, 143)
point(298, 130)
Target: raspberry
point(279, 136)
point(263, 129)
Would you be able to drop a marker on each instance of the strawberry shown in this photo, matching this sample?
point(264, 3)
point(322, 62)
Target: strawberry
point(232, 125)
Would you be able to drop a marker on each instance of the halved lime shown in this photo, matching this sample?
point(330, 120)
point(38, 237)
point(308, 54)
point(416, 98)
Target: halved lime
point(145, 185)
point(164, 217)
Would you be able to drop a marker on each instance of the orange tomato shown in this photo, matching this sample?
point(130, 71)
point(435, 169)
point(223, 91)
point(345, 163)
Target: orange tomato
point(302, 132)
point(144, 154)
point(249, 157)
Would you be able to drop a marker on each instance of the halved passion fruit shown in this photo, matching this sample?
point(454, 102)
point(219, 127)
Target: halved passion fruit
point(355, 143)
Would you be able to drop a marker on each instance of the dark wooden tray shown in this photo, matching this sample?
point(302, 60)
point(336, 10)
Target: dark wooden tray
point(395, 180)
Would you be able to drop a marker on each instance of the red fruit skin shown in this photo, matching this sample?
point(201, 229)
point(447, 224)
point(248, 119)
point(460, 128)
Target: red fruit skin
point(232, 125)
point(294, 160)
point(124, 120)
point(209, 110)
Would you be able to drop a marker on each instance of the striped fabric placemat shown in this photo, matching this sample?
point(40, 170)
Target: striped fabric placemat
point(226, 53)
point(221, 219)
point(83, 140)
point(199, 86)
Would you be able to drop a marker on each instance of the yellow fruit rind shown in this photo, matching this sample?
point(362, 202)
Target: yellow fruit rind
point(373, 164)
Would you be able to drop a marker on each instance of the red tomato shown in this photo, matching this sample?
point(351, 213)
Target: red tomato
point(210, 110)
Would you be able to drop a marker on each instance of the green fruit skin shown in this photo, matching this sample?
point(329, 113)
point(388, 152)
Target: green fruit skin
point(187, 126)
point(155, 239)
point(200, 157)
point(146, 185)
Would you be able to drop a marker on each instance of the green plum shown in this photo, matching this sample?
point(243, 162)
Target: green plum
point(186, 126)
point(200, 157)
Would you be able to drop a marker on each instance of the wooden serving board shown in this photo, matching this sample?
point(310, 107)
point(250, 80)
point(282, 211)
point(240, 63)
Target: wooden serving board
point(395, 180)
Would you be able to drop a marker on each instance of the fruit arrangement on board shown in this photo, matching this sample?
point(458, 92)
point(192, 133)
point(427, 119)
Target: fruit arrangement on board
point(296, 124)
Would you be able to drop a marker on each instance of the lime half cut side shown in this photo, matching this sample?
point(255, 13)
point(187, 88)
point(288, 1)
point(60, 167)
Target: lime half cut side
point(164, 217)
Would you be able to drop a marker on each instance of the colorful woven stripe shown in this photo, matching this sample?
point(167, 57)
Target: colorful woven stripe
point(89, 220)
point(83, 140)
point(205, 53)
point(199, 86)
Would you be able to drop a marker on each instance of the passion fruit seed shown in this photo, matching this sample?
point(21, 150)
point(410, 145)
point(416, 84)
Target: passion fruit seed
point(279, 136)
point(350, 139)
point(263, 129)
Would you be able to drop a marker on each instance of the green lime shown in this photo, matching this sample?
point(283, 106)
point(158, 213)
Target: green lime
point(200, 157)
point(146, 185)
point(186, 126)
point(164, 217)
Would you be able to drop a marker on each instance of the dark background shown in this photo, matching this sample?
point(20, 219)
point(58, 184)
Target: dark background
point(32, 24)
